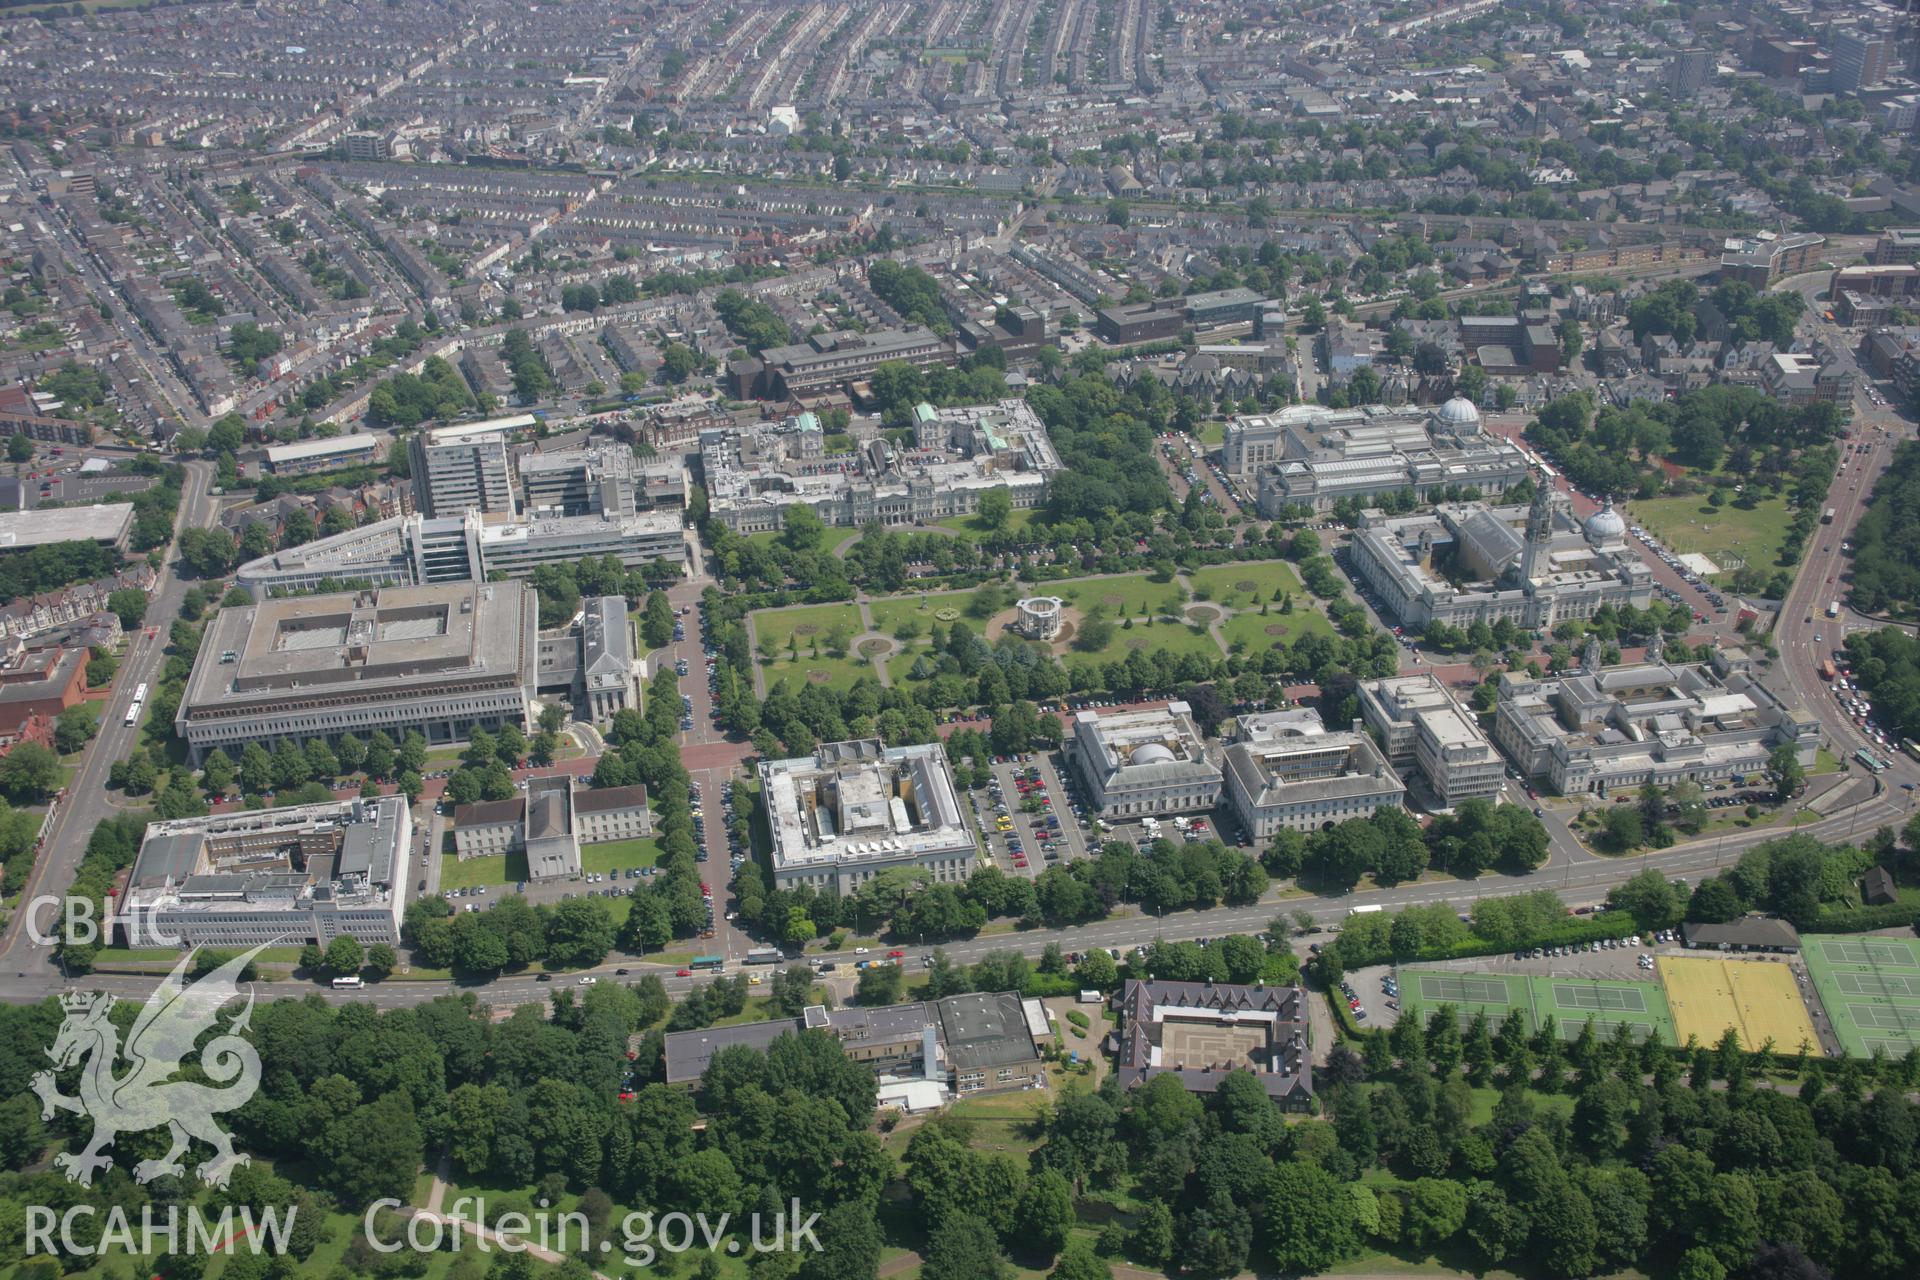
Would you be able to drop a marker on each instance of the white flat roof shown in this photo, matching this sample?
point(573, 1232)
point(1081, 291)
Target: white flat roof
point(319, 448)
point(441, 435)
point(102, 522)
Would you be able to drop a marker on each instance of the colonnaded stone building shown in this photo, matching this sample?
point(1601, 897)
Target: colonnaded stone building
point(1138, 763)
point(1285, 770)
point(854, 809)
point(441, 660)
point(549, 822)
point(1315, 456)
point(1469, 562)
point(754, 475)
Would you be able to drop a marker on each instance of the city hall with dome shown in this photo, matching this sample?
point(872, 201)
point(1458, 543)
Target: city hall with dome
point(1313, 456)
point(1470, 562)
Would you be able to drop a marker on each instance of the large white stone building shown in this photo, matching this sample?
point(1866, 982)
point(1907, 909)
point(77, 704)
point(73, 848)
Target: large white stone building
point(1469, 562)
point(443, 660)
point(754, 475)
point(310, 873)
point(854, 809)
point(550, 822)
point(1424, 730)
point(1599, 729)
point(1317, 456)
point(1284, 769)
point(1136, 763)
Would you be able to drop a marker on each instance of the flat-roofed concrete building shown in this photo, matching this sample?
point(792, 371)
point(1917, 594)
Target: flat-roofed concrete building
point(600, 478)
point(466, 467)
point(828, 360)
point(443, 660)
point(854, 809)
point(107, 525)
point(1285, 770)
point(1136, 763)
point(304, 457)
point(518, 548)
point(421, 550)
point(1423, 729)
point(1314, 456)
point(309, 873)
point(1599, 729)
point(1238, 305)
point(980, 1042)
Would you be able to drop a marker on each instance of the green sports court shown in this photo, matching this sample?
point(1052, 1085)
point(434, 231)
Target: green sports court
point(1870, 988)
point(1569, 1001)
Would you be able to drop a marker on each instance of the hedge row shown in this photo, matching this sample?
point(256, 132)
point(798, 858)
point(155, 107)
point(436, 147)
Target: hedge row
point(1572, 931)
point(1866, 919)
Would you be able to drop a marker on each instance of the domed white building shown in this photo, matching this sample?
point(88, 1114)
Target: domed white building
point(1605, 526)
point(1039, 617)
point(1458, 415)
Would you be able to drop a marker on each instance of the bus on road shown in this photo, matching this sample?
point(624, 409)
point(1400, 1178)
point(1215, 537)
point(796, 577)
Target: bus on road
point(1872, 762)
point(347, 984)
point(133, 708)
point(1827, 671)
point(1366, 911)
point(1826, 517)
point(1833, 609)
point(706, 962)
point(1911, 747)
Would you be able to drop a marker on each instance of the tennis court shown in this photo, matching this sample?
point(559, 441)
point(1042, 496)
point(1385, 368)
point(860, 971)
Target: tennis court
point(1575, 1001)
point(1757, 998)
point(1571, 1002)
point(1870, 988)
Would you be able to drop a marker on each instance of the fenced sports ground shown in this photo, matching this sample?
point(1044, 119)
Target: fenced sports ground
point(1571, 1002)
point(1870, 987)
point(1757, 998)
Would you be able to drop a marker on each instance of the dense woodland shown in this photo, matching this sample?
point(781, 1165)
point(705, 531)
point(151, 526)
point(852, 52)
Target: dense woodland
point(1884, 577)
point(1596, 1155)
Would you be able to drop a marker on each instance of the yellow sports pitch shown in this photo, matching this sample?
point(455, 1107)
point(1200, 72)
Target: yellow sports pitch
point(1757, 998)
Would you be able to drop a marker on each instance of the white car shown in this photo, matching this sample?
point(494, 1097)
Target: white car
point(587, 980)
point(861, 951)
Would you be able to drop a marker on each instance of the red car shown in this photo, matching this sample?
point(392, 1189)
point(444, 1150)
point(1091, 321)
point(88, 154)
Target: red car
point(683, 973)
point(895, 955)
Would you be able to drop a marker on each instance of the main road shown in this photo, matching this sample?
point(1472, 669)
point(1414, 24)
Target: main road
point(1579, 883)
point(86, 802)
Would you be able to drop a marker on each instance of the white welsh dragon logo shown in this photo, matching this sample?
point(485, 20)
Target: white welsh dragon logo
point(148, 1096)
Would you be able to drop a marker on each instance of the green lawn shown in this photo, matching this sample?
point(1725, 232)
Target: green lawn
point(1122, 595)
point(1175, 637)
point(890, 611)
point(1240, 586)
point(780, 631)
point(618, 855)
point(1256, 631)
point(976, 527)
point(1212, 434)
point(1690, 525)
point(494, 869)
point(835, 673)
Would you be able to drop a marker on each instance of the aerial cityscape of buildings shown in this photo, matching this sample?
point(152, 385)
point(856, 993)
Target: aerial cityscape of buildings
point(716, 577)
